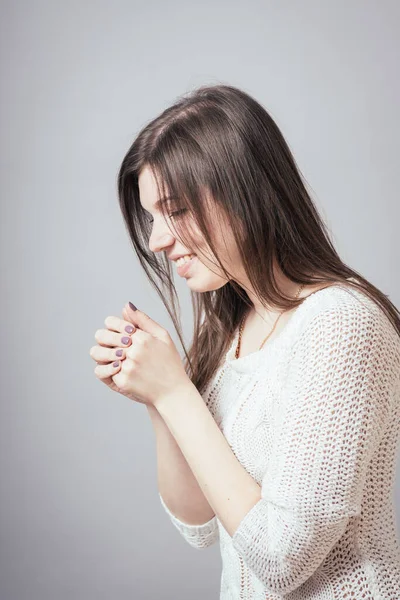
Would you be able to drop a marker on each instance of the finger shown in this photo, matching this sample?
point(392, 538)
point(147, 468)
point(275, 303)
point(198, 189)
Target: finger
point(107, 371)
point(119, 325)
point(103, 372)
point(127, 317)
point(111, 339)
point(105, 355)
point(142, 321)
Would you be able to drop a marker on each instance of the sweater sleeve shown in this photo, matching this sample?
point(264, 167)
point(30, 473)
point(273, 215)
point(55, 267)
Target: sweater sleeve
point(198, 536)
point(336, 403)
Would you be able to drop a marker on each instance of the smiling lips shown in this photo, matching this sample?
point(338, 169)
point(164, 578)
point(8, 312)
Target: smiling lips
point(182, 259)
point(183, 264)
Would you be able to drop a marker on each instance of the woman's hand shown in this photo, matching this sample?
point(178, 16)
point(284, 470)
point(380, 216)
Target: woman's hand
point(109, 343)
point(150, 367)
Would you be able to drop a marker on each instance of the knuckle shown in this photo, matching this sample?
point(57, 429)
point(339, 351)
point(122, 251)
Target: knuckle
point(129, 367)
point(108, 321)
point(123, 380)
point(166, 337)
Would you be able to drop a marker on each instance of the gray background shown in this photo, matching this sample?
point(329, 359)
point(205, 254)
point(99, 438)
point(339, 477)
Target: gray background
point(80, 515)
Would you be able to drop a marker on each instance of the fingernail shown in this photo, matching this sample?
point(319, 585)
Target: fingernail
point(133, 307)
point(129, 328)
point(119, 352)
point(116, 363)
point(125, 340)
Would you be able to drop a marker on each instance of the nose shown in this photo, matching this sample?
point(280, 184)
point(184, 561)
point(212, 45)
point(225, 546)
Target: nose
point(160, 238)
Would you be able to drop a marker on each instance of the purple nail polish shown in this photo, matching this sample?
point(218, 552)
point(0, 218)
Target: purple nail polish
point(133, 307)
point(116, 363)
point(119, 352)
point(129, 328)
point(125, 340)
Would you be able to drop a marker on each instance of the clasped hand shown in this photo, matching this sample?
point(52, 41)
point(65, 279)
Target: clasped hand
point(149, 369)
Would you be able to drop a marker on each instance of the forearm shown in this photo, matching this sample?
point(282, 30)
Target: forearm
point(228, 488)
point(176, 483)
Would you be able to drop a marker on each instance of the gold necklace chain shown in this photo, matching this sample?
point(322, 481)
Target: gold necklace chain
point(270, 333)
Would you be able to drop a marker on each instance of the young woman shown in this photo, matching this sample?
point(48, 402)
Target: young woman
point(277, 432)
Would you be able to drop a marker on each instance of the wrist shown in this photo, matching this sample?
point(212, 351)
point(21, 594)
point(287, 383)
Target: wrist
point(154, 415)
point(179, 393)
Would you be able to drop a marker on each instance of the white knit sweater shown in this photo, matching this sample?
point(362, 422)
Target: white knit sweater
point(314, 418)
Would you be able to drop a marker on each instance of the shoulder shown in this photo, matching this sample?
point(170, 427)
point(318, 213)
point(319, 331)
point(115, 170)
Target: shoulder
point(345, 348)
point(345, 317)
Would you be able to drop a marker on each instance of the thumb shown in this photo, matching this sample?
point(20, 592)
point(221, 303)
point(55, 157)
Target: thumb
point(142, 321)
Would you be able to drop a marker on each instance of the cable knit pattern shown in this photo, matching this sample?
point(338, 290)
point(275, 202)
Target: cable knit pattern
point(314, 418)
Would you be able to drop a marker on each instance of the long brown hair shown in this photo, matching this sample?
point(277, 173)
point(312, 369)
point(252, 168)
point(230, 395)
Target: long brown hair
point(218, 142)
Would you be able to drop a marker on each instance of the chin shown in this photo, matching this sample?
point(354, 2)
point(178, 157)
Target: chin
point(208, 282)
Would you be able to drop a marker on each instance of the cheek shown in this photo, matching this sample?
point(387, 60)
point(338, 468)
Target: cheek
point(222, 240)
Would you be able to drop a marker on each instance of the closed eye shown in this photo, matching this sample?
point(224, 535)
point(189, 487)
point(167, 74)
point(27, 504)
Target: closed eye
point(176, 212)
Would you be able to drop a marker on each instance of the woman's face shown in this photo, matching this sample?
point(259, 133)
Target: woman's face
point(203, 274)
